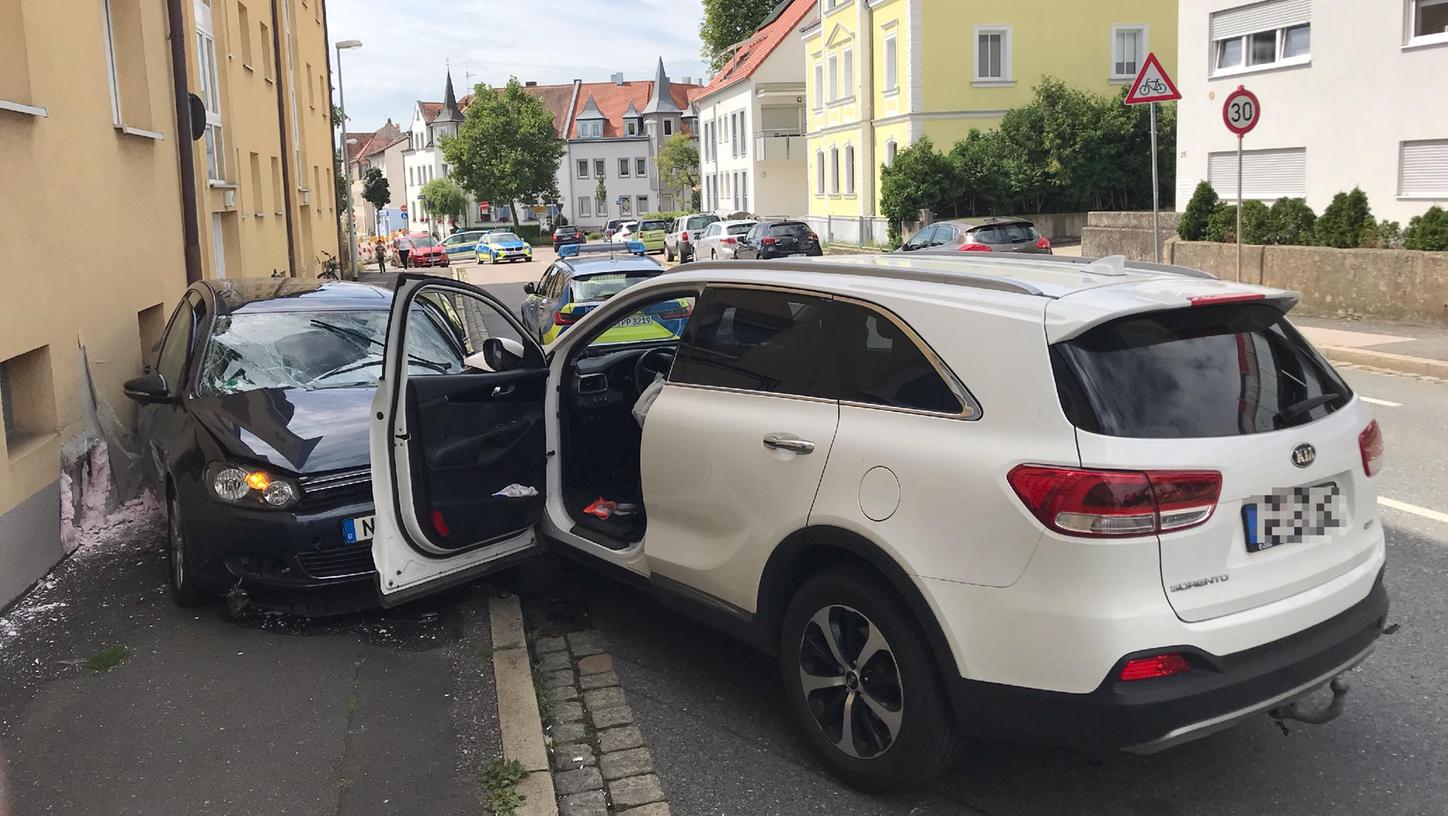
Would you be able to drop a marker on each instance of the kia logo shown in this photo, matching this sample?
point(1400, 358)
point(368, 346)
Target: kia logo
point(1304, 455)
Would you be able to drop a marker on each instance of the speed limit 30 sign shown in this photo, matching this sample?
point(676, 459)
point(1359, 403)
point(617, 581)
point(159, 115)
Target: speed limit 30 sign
point(1241, 111)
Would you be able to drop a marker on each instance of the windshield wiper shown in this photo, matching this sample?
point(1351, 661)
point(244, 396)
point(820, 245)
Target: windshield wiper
point(1301, 407)
point(441, 368)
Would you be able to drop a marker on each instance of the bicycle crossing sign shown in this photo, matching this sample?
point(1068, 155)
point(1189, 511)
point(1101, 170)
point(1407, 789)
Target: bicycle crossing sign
point(1152, 84)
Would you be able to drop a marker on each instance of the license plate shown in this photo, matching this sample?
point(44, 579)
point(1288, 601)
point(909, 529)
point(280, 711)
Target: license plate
point(636, 320)
point(1292, 515)
point(359, 529)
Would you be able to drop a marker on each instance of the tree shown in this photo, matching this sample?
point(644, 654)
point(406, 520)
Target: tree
point(1290, 222)
point(600, 194)
point(1341, 224)
point(1428, 231)
point(1222, 224)
point(1193, 223)
point(920, 179)
point(506, 149)
point(727, 22)
point(443, 198)
point(679, 165)
point(375, 190)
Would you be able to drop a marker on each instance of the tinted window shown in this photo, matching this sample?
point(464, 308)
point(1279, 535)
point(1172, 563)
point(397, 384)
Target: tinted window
point(424, 243)
point(796, 228)
point(650, 226)
point(880, 364)
point(171, 360)
point(1204, 372)
point(757, 340)
point(607, 284)
point(923, 238)
point(701, 221)
point(1005, 233)
point(740, 229)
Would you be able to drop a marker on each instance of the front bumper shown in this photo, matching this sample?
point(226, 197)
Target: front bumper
point(286, 551)
point(428, 260)
point(1151, 715)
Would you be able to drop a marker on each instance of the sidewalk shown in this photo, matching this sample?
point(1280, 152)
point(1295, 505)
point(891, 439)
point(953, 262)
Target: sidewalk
point(1400, 347)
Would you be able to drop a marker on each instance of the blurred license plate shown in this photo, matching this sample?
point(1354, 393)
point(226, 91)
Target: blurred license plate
point(1292, 515)
point(636, 320)
point(357, 529)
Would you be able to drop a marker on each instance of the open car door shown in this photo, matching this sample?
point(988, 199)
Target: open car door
point(457, 439)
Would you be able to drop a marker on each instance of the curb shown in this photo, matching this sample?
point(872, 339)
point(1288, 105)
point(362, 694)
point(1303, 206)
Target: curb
point(519, 719)
point(1399, 363)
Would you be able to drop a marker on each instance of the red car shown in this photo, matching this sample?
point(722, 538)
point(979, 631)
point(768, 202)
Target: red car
point(426, 251)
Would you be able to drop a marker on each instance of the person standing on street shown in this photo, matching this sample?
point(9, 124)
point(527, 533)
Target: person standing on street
point(404, 249)
point(379, 250)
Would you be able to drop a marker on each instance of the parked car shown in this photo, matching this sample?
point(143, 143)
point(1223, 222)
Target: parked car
point(1075, 502)
point(427, 251)
point(721, 238)
point(778, 239)
point(501, 245)
point(253, 430)
point(574, 286)
point(651, 232)
point(624, 232)
point(988, 235)
point(679, 243)
point(611, 227)
point(461, 245)
point(568, 234)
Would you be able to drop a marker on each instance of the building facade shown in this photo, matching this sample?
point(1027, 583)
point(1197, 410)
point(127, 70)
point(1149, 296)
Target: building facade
point(880, 75)
point(383, 150)
point(1344, 91)
point(752, 148)
point(97, 133)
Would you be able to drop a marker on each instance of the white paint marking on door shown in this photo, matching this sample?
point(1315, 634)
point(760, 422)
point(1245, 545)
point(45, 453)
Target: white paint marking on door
point(1371, 401)
point(1414, 509)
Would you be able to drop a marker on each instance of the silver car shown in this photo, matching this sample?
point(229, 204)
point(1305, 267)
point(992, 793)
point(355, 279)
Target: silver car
point(721, 238)
point(686, 230)
point(979, 235)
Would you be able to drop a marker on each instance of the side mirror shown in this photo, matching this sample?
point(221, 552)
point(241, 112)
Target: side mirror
point(502, 353)
point(150, 389)
point(529, 289)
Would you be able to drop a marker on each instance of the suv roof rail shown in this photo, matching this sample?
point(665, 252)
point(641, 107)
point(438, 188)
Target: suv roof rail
point(999, 283)
point(1126, 263)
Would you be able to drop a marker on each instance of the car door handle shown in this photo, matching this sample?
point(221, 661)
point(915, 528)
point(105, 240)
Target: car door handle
point(789, 442)
point(503, 390)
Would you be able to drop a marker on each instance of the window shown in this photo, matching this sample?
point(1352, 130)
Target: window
point(849, 75)
point(625, 205)
point(819, 86)
point(892, 65)
point(583, 168)
point(734, 188)
point(849, 169)
point(744, 191)
point(14, 64)
point(256, 204)
point(592, 129)
point(641, 167)
point(881, 363)
point(1128, 50)
point(585, 206)
point(633, 127)
point(642, 205)
point(834, 78)
point(834, 171)
point(311, 89)
point(171, 358)
point(243, 35)
point(600, 168)
point(1267, 175)
point(268, 65)
point(623, 168)
point(126, 58)
point(1429, 20)
point(276, 179)
point(891, 148)
point(1423, 169)
point(757, 340)
point(668, 127)
point(1276, 32)
point(210, 93)
point(150, 324)
point(819, 172)
point(992, 54)
point(27, 399)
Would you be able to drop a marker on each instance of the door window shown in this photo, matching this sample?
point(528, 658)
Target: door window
point(757, 340)
point(444, 327)
point(922, 239)
point(880, 363)
point(171, 361)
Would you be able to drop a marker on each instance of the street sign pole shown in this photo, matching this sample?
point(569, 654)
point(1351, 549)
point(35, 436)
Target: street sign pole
point(1155, 194)
point(1240, 112)
point(1153, 85)
point(1239, 208)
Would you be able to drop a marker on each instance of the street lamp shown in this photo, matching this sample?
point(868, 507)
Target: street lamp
point(347, 45)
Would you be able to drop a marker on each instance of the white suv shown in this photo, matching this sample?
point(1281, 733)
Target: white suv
point(1083, 503)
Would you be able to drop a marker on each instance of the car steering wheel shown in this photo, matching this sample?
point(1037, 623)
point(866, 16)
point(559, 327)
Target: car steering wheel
point(654, 362)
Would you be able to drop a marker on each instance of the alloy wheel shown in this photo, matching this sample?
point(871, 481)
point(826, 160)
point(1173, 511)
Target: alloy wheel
point(851, 682)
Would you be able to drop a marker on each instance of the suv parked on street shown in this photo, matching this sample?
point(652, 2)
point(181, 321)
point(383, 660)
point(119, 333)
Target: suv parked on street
point(1069, 501)
point(778, 239)
point(990, 235)
point(568, 234)
point(679, 243)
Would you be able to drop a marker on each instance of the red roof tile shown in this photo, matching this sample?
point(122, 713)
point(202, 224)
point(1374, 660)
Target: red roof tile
point(752, 54)
point(613, 100)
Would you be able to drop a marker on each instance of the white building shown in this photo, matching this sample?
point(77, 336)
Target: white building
point(383, 150)
point(753, 153)
point(1353, 94)
point(423, 161)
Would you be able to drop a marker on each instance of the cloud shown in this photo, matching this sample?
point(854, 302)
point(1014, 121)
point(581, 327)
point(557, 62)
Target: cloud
point(407, 45)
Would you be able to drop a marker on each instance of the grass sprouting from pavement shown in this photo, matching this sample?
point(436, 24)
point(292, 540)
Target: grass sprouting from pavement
point(501, 779)
point(108, 659)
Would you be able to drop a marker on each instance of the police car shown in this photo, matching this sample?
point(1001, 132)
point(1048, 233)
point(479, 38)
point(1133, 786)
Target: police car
point(586, 275)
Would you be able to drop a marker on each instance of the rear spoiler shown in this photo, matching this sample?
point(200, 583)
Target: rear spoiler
point(1077, 313)
point(630, 247)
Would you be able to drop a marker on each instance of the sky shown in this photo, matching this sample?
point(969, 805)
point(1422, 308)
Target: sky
point(406, 46)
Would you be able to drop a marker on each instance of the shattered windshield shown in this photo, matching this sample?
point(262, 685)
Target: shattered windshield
point(315, 350)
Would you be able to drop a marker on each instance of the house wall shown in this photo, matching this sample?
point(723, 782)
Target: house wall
point(1364, 91)
point(633, 186)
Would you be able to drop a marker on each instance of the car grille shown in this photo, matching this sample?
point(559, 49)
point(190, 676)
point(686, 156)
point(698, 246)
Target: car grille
point(347, 562)
point(335, 489)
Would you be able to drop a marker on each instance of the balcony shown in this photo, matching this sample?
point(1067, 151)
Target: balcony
point(780, 146)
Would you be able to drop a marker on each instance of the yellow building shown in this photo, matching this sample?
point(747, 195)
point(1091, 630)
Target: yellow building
point(101, 240)
point(882, 74)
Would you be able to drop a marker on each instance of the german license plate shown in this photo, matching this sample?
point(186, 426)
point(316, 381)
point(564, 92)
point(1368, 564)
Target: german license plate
point(355, 530)
point(636, 320)
point(1292, 515)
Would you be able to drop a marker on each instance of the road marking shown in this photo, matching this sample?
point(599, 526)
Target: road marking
point(1414, 509)
point(1372, 401)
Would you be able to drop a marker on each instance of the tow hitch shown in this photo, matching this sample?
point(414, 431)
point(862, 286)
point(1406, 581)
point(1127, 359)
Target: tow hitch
point(1295, 711)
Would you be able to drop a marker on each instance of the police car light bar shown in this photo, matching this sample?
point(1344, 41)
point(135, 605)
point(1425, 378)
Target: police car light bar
point(574, 250)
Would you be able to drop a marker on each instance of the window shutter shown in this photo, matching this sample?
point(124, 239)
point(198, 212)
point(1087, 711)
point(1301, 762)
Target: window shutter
point(1267, 175)
point(1423, 168)
point(1260, 17)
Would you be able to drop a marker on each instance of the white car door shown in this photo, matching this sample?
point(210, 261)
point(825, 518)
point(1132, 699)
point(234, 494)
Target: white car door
point(457, 439)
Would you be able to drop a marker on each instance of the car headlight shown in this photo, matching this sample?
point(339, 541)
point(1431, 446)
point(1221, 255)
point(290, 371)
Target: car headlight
point(243, 485)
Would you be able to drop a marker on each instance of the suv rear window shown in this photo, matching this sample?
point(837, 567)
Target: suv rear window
point(1005, 233)
point(698, 222)
point(1190, 373)
point(651, 226)
point(796, 228)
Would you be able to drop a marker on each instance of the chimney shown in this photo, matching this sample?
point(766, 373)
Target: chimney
point(617, 78)
point(530, 84)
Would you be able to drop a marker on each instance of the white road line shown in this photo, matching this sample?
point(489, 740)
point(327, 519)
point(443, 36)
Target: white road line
point(1414, 509)
point(1372, 401)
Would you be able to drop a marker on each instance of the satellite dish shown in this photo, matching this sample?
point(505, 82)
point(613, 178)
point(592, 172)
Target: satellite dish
point(198, 117)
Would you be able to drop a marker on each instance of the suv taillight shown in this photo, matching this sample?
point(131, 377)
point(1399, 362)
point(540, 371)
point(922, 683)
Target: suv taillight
point(1370, 443)
point(684, 236)
point(1112, 503)
point(1042, 243)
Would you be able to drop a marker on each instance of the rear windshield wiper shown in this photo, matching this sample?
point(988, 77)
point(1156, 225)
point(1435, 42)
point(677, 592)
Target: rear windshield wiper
point(1301, 407)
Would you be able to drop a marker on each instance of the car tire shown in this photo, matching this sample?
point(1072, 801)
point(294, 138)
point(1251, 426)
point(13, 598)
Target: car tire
point(902, 729)
point(668, 254)
point(713, 256)
point(185, 589)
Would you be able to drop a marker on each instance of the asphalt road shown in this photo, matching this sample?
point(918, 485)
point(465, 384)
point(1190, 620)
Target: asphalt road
point(710, 709)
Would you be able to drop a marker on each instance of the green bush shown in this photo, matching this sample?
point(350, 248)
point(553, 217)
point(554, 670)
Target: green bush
point(1222, 224)
point(1341, 224)
point(1381, 235)
point(595, 236)
point(1428, 231)
point(665, 216)
point(1201, 208)
point(1290, 222)
point(1256, 222)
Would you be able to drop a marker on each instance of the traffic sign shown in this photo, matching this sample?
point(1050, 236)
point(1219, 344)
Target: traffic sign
point(1241, 111)
point(1152, 84)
